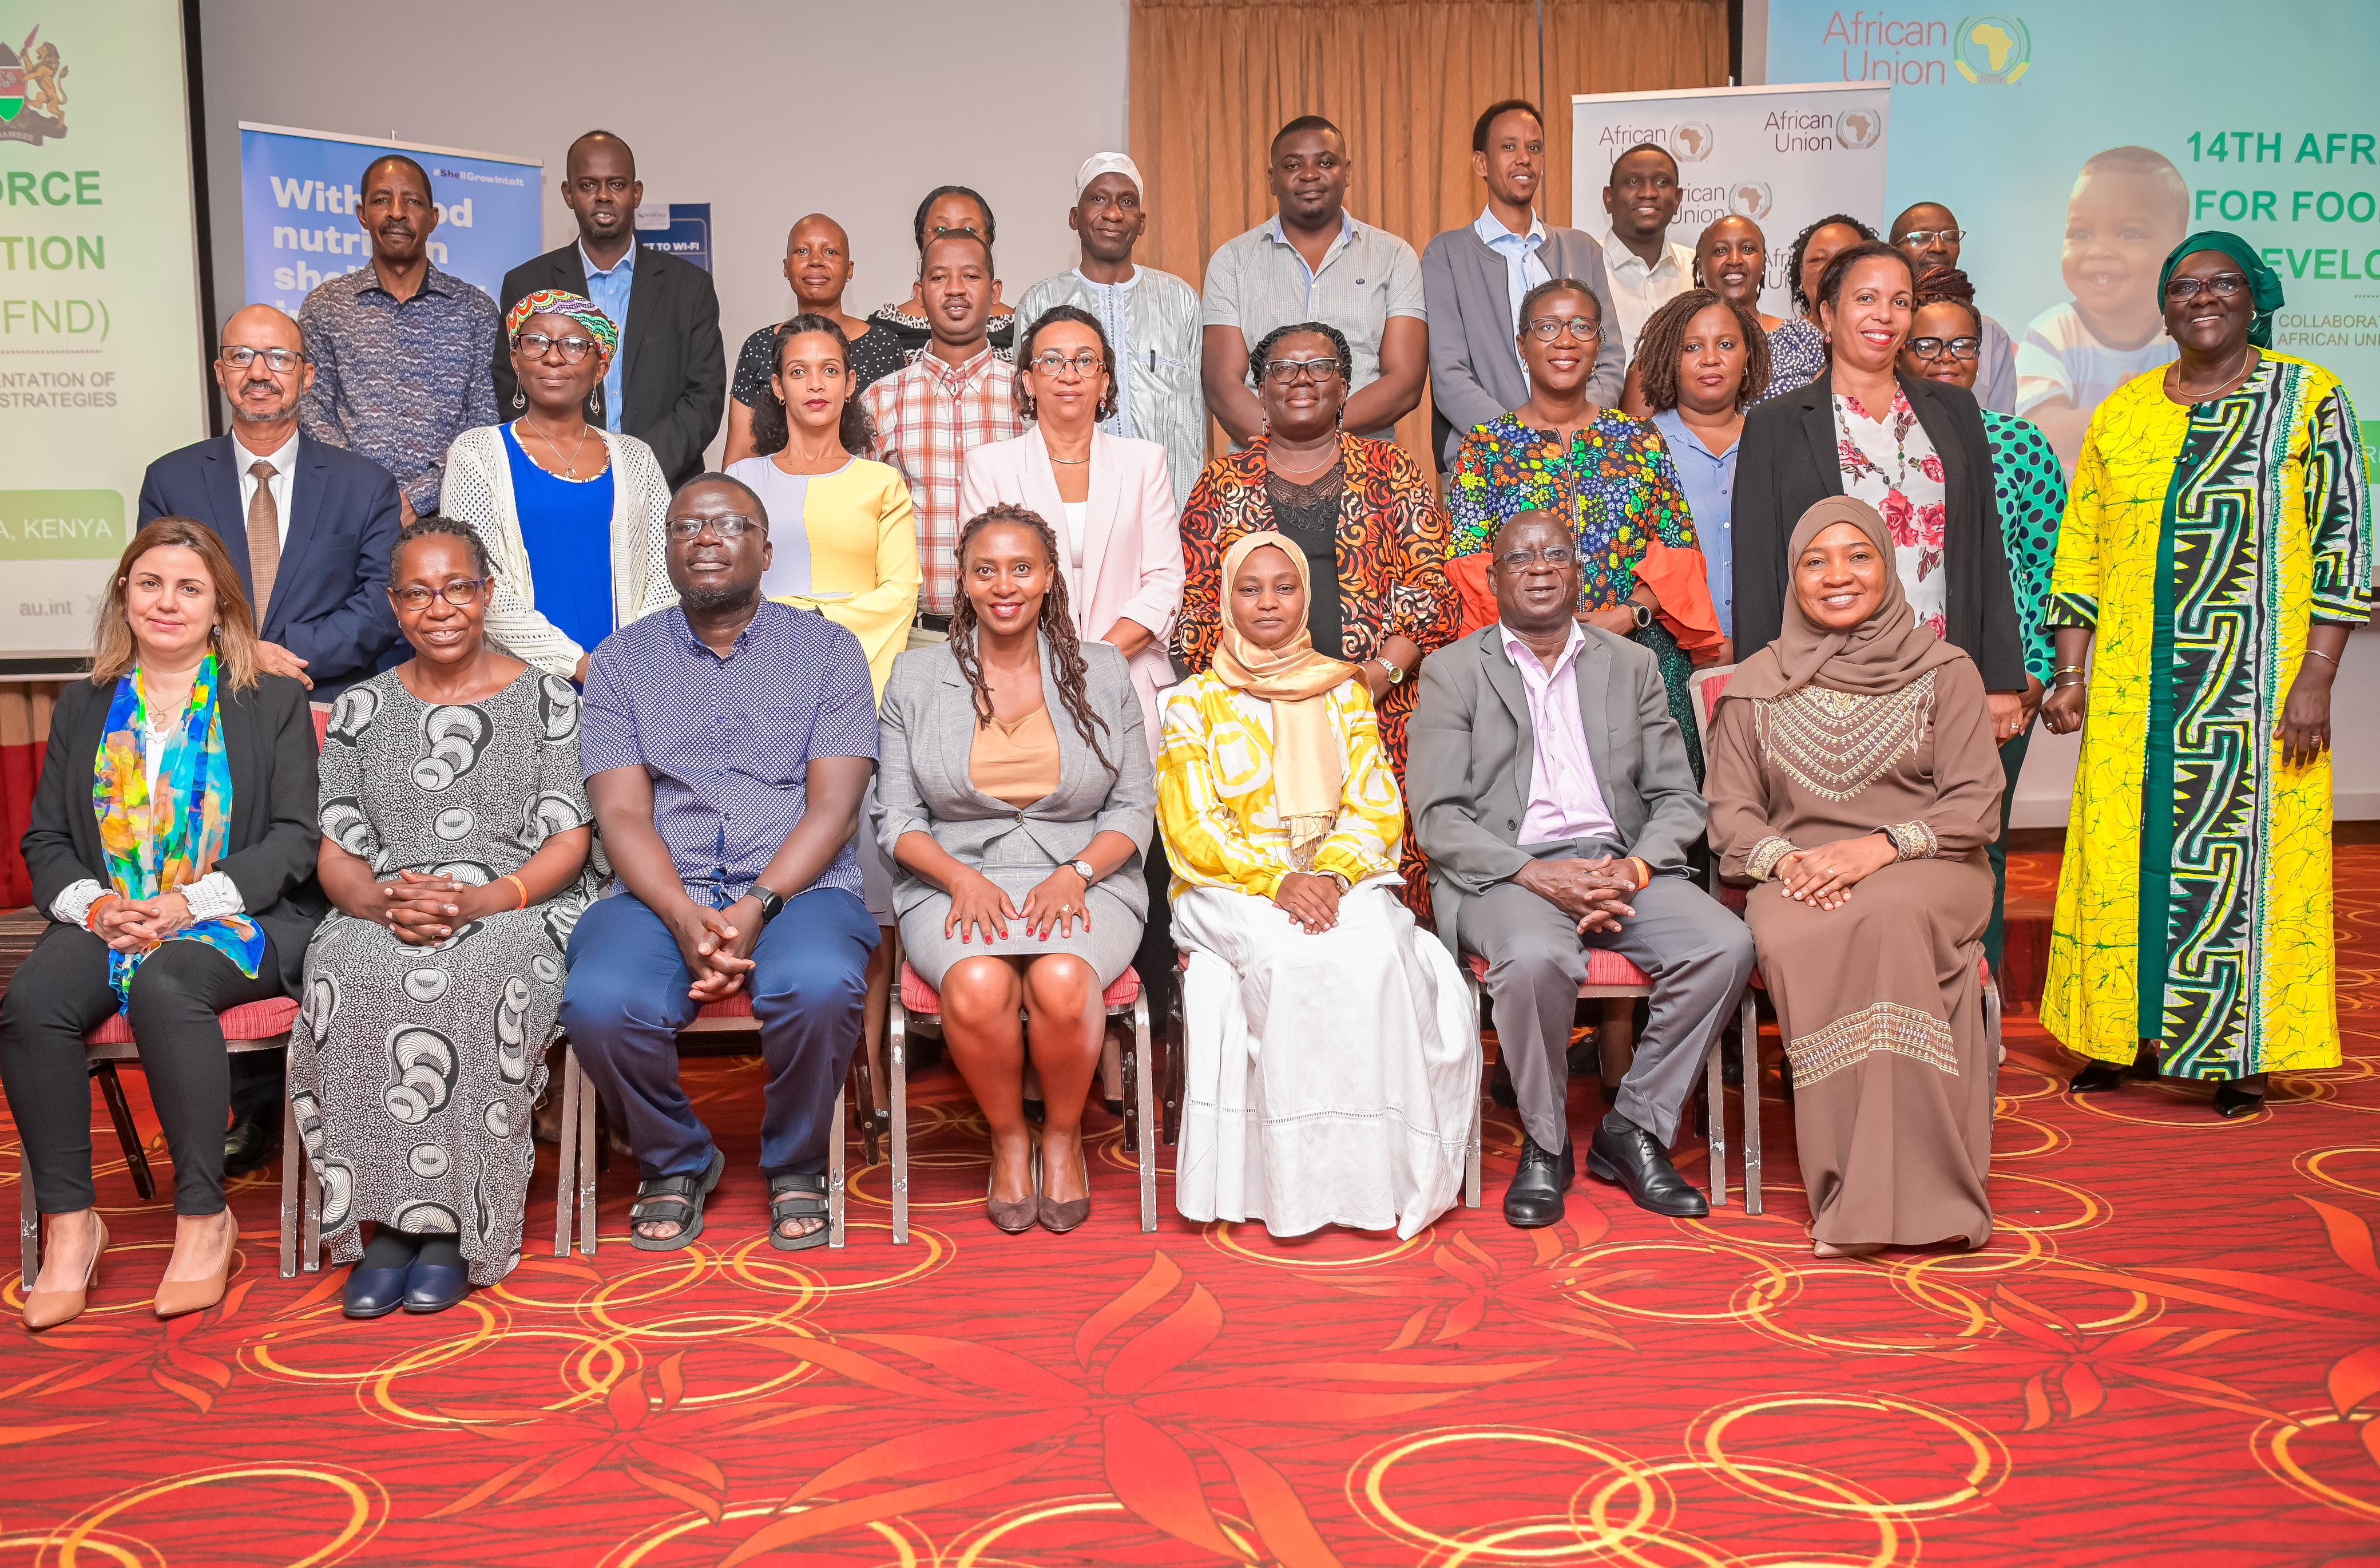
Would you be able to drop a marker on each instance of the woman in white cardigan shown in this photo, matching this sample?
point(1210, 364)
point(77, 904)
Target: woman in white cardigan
point(537, 491)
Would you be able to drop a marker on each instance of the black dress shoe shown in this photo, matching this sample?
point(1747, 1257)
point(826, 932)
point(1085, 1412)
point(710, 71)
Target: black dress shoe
point(2098, 1077)
point(1637, 1161)
point(374, 1292)
point(252, 1141)
point(434, 1287)
point(2231, 1101)
point(1535, 1198)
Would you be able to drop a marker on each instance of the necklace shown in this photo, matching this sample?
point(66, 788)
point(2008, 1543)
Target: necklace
point(1069, 462)
point(1301, 473)
point(569, 464)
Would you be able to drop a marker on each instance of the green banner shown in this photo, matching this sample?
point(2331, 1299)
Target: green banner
point(62, 525)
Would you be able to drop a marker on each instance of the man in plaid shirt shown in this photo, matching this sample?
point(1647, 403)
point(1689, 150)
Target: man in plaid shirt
point(951, 399)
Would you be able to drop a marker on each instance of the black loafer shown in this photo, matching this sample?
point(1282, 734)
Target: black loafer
point(2231, 1101)
point(252, 1140)
point(2097, 1077)
point(375, 1292)
point(1535, 1198)
point(1637, 1161)
point(434, 1287)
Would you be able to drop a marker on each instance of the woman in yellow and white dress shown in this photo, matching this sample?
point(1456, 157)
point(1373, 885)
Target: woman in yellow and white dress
point(1332, 1052)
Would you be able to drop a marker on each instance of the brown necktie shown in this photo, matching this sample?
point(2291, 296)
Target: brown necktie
point(264, 538)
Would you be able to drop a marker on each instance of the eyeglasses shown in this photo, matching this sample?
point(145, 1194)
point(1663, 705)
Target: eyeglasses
point(1282, 372)
point(1554, 555)
point(1957, 347)
point(2223, 286)
point(460, 592)
point(536, 344)
point(1085, 364)
point(1546, 329)
point(728, 527)
point(239, 356)
point(1926, 238)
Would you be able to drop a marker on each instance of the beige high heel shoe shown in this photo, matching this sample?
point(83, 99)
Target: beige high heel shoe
point(177, 1298)
point(48, 1309)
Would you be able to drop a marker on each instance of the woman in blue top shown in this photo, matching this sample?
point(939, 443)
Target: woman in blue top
point(570, 513)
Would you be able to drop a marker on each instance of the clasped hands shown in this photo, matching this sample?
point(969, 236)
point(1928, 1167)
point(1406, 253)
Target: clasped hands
point(135, 925)
point(422, 911)
point(1824, 875)
point(979, 904)
point(1594, 892)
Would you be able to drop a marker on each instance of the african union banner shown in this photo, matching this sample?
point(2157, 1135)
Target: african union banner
point(2078, 142)
point(103, 356)
point(1781, 156)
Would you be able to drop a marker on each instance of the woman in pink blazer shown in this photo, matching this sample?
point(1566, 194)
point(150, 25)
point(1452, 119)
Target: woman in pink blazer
point(1109, 499)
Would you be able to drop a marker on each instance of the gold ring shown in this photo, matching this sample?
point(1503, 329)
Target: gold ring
point(1066, 909)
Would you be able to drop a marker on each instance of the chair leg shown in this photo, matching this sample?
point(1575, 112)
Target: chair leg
point(896, 1071)
point(293, 1191)
point(565, 1153)
point(1140, 1102)
point(1751, 1029)
point(1992, 1013)
point(1715, 1111)
point(1616, 1041)
point(28, 1232)
point(834, 1178)
point(119, 1112)
point(1478, 1106)
point(1128, 1070)
point(1177, 1066)
point(588, 1132)
point(861, 1087)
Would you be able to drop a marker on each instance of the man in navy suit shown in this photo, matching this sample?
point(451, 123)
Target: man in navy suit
point(309, 526)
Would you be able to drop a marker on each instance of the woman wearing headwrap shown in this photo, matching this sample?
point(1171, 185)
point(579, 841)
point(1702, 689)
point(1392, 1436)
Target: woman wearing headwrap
point(570, 513)
point(2217, 548)
point(1853, 779)
point(1332, 1053)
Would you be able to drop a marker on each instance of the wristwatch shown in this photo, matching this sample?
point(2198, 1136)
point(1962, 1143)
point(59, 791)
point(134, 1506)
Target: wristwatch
point(1082, 869)
point(1395, 673)
point(1643, 616)
point(770, 901)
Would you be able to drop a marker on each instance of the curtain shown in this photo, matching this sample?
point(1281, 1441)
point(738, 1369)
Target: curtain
point(1212, 80)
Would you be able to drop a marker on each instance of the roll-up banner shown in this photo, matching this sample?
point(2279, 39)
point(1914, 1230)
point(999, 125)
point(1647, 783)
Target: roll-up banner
point(103, 359)
point(298, 190)
point(1781, 156)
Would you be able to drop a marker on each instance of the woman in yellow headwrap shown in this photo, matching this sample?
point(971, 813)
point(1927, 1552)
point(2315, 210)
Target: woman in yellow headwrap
point(1332, 1055)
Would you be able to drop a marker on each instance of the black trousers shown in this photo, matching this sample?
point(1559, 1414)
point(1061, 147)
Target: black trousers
point(58, 995)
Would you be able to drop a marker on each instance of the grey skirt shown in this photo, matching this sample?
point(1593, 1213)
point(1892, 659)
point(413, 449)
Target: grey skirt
point(1107, 947)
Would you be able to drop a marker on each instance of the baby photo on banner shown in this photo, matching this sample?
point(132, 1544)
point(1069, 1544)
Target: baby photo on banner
point(1781, 156)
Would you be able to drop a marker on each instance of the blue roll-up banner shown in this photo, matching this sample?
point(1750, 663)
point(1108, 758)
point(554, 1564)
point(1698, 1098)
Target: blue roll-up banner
point(682, 228)
point(298, 190)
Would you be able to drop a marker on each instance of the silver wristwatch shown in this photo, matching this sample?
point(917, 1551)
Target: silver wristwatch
point(1082, 869)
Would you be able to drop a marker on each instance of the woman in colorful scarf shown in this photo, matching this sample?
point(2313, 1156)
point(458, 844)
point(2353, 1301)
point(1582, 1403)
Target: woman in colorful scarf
point(2217, 550)
point(1333, 1055)
point(570, 513)
point(173, 846)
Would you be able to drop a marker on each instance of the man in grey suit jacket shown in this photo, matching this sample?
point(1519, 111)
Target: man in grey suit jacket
point(1472, 277)
point(1549, 788)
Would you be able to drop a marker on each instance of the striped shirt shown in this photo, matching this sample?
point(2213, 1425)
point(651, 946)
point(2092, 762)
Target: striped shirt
point(397, 382)
point(930, 415)
point(729, 741)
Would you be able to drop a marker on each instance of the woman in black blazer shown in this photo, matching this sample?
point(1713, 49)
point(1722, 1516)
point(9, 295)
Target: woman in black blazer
point(1793, 455)
point(232, 898)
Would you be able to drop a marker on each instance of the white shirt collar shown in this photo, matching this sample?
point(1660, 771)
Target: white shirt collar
point(627, 263)
point(284, 459)
point(1492, 232)
point(1617, 258)
point(1131, 282)
point(1525, 658)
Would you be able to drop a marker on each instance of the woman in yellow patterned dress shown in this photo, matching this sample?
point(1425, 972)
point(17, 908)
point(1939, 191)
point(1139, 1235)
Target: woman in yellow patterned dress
point(2217, 548)
point(1332, 1055)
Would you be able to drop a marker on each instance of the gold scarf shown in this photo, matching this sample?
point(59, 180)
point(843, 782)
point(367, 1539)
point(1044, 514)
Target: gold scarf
point(1310, 762)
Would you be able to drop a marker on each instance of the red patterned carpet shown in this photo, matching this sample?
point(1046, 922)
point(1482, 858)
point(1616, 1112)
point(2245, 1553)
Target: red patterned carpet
point(2170, 1354)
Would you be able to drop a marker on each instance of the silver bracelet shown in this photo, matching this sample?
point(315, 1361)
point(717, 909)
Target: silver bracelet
point(2318, 653)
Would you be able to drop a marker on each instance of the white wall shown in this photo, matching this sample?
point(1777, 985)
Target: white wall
point(765, 110)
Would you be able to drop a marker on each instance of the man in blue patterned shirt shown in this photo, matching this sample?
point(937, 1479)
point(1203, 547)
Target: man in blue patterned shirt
point(726, 743)
point(403, 352)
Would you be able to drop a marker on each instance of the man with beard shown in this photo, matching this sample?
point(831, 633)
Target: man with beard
point(401, 349)
point(727, 742)
point(275, 495)
point(667, 385)
point(1151, 318)
point(955, 396)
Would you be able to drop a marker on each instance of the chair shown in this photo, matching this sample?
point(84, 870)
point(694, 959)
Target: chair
point(252, 1026)
point(739, 1032)
point(1707, 687)
point(1619, 982)
point(913, 995)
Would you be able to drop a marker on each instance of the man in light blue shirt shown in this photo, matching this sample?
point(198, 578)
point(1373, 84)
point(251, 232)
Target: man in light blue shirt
point(609, 288)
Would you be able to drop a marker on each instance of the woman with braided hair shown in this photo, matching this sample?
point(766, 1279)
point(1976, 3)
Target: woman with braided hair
point(1015, 798)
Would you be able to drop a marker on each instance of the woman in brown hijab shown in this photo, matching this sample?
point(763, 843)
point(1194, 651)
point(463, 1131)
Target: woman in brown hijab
point(1853, 777)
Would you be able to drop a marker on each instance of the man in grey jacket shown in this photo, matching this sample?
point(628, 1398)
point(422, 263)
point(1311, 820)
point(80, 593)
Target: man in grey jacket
point(1472, 278)
point(1549, 788)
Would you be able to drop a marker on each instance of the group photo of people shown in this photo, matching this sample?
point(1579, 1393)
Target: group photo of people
point(461, 694)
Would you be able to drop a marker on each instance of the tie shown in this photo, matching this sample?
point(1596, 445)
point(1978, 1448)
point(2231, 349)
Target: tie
point(264, 538)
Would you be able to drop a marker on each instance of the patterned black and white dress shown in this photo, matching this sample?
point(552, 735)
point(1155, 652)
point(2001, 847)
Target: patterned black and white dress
point(413, 1068)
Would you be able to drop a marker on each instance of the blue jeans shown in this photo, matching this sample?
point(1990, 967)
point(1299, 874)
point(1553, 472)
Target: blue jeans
point(626, 1001)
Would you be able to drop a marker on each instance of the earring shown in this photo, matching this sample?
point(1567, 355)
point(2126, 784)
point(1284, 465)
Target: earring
point(520, 400)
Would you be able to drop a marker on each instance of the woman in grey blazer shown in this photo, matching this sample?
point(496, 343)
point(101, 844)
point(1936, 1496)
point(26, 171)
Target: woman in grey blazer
point(1015, 798)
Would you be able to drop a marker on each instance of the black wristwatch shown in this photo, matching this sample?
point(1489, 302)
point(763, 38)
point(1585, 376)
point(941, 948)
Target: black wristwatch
point(770, 901)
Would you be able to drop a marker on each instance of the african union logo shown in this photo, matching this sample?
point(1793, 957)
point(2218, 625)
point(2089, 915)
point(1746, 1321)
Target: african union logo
point(1692, 142)
point(1992, 49)
point(1858, 128)
point(32, 97)
point(1750, 198)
